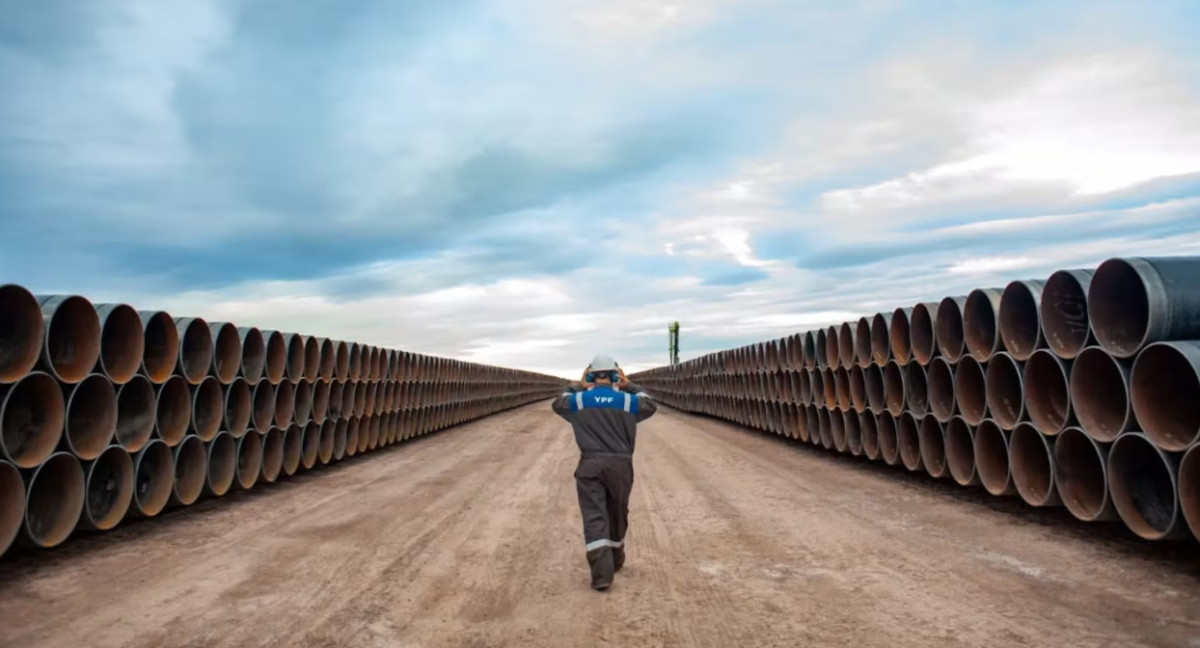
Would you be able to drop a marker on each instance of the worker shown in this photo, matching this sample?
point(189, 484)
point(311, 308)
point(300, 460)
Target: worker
point(604, 412)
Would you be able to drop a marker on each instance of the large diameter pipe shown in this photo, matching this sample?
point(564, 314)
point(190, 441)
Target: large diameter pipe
point(222, 464)
point(894, 388)
point(311, 449)
point(352, 435)
point(931, 437)
point(249, 459)
point(135, 413)
point(1136, 301)
point(858, 389)
point(908, 438)
point(1020, 318)
point(981, 323)
point(293, 448)
point(54, 498)
point(295, 356)
point(328, 359)
point(340, 441)
point(12, 503)
point(373, 432)
point(302, 412)
point(341, 364)
point(923, 341)
point(312, 358)
point(889, 443)
point(837, 430)
point(941, 389)
point(208, 408)
point(1100, 387)
point(227, 351)
point(824, 428)
point(1064, 310)
point(122, 342)
point(853, 431)
point(328, 441)
point(153, 478)
point(277, 356)
point(991, 459)
point(847, 344)
point(263, 405)
point(191, 470)
point(841, 380)
point(285, 403)
point(863, 342)
point(195, 349)
point(1143, 483)
point(916, 390)
point(1165, 389)
point(355, 361)
point(254, 354)
point(320, 400)
point(239, 407)
point(951, 328)
point(869, 430)
point(970, 390)
point(820, 351)
point(272, 461)
point(881, 339)
point(1031, 459)
point(1189, 490)
point(1047, 380)
point(1081, 475)
point(70, 338)
point(32, 417)
point(808, 350)
point(21, 339)
point(960, 452)
point(811, 413)
point(108, 489)
point(900, 336)
point(1005, 391)
point(160, 345)
point(873, 385)
point(91, 417)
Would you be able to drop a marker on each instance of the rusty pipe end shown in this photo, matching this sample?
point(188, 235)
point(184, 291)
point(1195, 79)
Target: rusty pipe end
point(1165, 390)
point(1066, 325)
point(12, 504)
point(154, 477)
point(109, 489)
point(1047, 380)
point(160, 345)
point(32, 418)
point(191, 470)
point(1100, 386)
point(71, 337)
point(1031, 459)
point(54, 500)
point(1005, 391)
point(981, 323)
point(135, 413)
point(227, 351)
point(21, 334)
point(91, 420)
point(249, 459)
point(1142, 481)
point(960, 452)
point(277, 356)
point(272, 455)
point(1021, 318)
point(195, 349)
point(1081, 476)
point(122, 342)
point(991, 459)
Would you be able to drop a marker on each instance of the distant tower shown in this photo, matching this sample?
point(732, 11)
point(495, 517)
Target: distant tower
point(674, 342)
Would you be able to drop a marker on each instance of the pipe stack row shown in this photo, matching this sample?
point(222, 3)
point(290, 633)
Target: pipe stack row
point(1079, 390)
point(109, 413)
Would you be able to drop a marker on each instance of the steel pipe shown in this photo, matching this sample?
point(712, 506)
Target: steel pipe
point(916, 390)
point(328, 441)
point(91, 417)
point(341, 365)
point(863, 342)
point(833, 347)
point(822, 353)
point(1081, 475)
point(858, 389)
point(894, 388)
point(340, 439)
point(941, 389)
point(1005, 391)
point(277, 356)
point(1048, 391)
point(191, 470)
point(70, 338)
point(1165, 389)
point(249, 459)
point(264, 405)
point(328, 359)
point(1136, 301)
point(1031, 459)
point(980, 322)
point(960, 452)
point(1064, 310)
point(160, 348)
point(1143, 484)
point(1189, 490)
point(254, 354)
point(846, 345)
point(900, 335)
point(841, 380)
point(12, 502)
point(889, 444)
point(320, 400)
point(809, 350)
point(824, 428)
point(950, 329)
point(285, 403)
point(227, 351)
point(295, 356)
point(355, 362)
point(272, 455)
point(853, 431)
point(293, 448)
point(108, 489)
point(991, 459)
point(312, 358)
point(880, 340)
point(32, 417)
point(970, 390)
point(222, 458)
point(54, 497)
point(195, 349)
point(239, 407)
point(135, 413)
point(21, 340)
point(352, 436)
point(1100, 394)
point(154, 477)
point(932, 439)
point(811, 415)
point(869, 430)
point(908, 438)
point(837, 430)
point(1020, 318)
point(923, 340)
point(372, 433)
point(302, 411)
point(122, 342)
point(208, 408)
point(312, 445)
point(873, 387)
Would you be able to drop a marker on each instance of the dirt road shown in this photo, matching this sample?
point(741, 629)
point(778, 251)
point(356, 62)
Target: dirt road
point(472, 538)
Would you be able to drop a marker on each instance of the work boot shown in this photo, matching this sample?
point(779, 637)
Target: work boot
point(618, 558)
point(601, 563)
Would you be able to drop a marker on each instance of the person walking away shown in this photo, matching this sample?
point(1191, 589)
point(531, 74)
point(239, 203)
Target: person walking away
point(604, 412)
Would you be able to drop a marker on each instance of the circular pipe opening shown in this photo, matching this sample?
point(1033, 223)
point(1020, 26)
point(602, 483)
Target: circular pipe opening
point(1005, 393)
point(1064, 312)
point(272, 461)
point(109, 488)
point(264, 405)
point(250, 458)
point(1081, 476)
point(916, 389)
point(254, 354)
point(1189, 489)
point(809, 350)
point(312, 358)
point(239, 407)
point(1141, 481)
point(302, 411)
point(154, 477)
point(160, 348)
point(373, 432)
point(960, 452)
point(277, 357)
point(846, 345)
point(869, 429)
point(355, 361)
point(340, 433)
point(341, 366)
point(873, 386)
point(328, 441)
point(900, 335)
point(837, 430)
point(285, 403)
point(1020, 318)
point(908, 438)
point(858, 388)
point(122, 342)
point(293, 448)
point(810, 413)
point(951, 338)
point(832, 347)
point(91, 417)
point(1048, 391)
point(1032, 464)
point(893, 388)
point(863, 342)
point(1119, 305)
point(227, 353)
point(980, 327)
point(208, 408)
point(824, 427)
point(1165, 387)
point(195, 349)
point(933, 447)
point(336, 390)
point(191, 470)
point(991, 458)
point(923, 342)
point(881, 339)
point(1100, 394)
point(941, 389)
point(20, 338)
point(841, 380)
point(295, 356)
point(135, 413)
point(32, 416)
point(71, 339)
point(352, 436)
point(312, 445)
point(328, 359)
point(970, 390)
point(360, 398)
point(320, 401)
point(54, 501)
point(853, 432)
point(222, 463)
point(12, 503)
point(888, 444)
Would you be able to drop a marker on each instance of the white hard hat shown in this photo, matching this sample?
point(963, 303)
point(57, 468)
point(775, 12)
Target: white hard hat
point(603, 362)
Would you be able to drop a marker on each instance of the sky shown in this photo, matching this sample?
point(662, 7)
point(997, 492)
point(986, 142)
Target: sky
point(531, 182)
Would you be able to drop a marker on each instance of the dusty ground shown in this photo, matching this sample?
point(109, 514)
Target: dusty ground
point(472, 538)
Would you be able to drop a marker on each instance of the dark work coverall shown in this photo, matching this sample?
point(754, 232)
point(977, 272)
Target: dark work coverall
point(605, 421)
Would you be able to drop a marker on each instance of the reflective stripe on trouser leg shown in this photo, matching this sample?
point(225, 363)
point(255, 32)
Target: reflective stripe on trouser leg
point(604, 485)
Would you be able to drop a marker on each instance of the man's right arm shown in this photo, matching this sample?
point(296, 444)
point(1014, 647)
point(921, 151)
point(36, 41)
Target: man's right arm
point(562, 404)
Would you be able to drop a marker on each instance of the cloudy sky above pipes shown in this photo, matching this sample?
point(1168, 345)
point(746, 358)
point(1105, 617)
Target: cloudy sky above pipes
point(529, 182)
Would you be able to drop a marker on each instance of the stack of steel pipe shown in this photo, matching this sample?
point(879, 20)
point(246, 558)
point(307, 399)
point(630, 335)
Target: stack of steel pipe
point(108, 413)
point(1079, 390)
